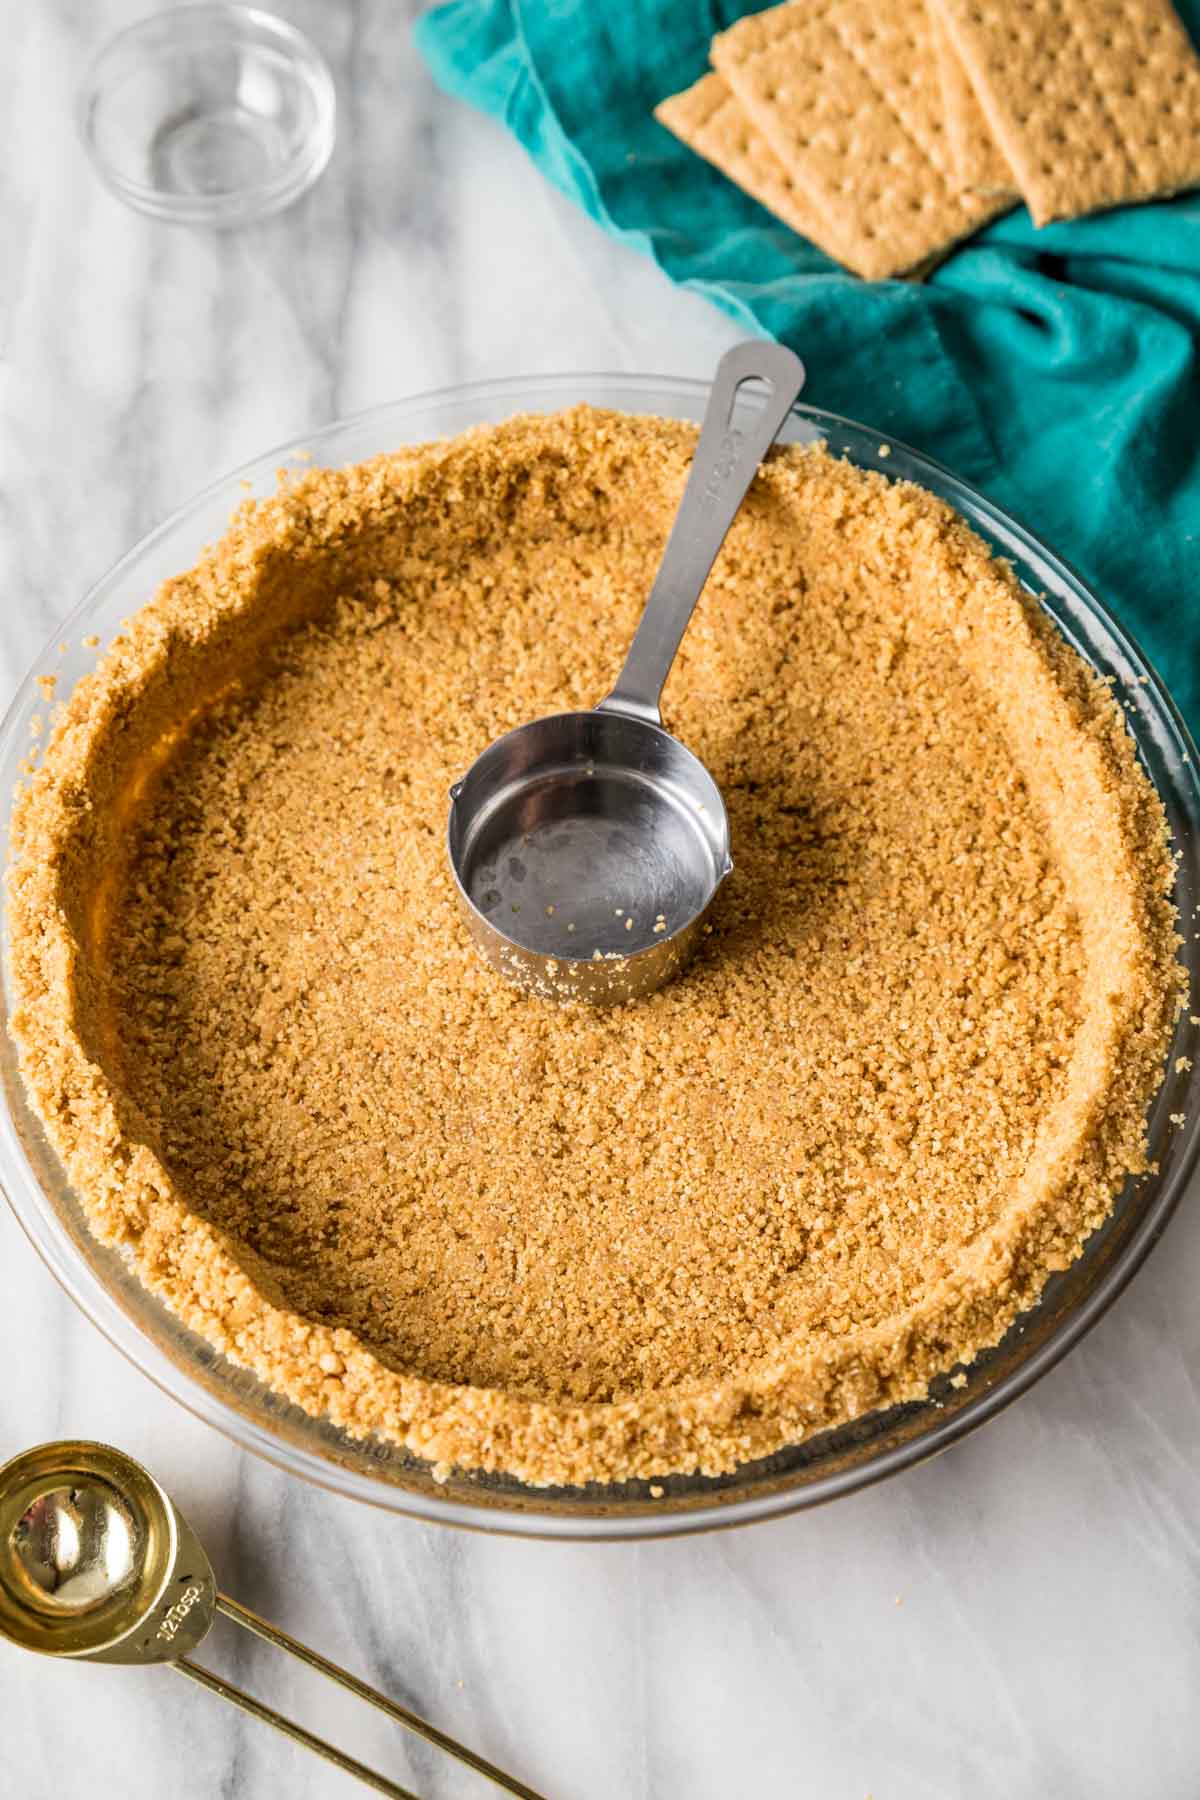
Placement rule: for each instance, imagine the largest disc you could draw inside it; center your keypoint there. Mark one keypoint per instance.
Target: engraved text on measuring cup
(175, 1615)
(727, 462)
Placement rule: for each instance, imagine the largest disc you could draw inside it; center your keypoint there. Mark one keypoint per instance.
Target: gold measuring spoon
(97, 1563)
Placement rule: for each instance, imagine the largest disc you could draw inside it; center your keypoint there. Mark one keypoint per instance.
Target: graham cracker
(978, 159)
(847, 94)
(708, 119)
(1093, 102)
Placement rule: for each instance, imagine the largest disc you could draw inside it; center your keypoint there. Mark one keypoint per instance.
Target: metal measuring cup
(586, 848)
(98, 1564)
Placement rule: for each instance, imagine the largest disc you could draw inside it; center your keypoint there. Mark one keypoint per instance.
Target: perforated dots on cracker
(979, 161)
(1094, 103)
(708, 119)
(849, 99)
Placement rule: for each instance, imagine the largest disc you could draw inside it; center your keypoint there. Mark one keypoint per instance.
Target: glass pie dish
(832, 1463)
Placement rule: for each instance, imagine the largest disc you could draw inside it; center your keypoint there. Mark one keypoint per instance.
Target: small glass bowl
(208, 115)
(823, 1467)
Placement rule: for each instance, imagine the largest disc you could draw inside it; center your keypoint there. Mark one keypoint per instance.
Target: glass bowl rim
(49, 1238)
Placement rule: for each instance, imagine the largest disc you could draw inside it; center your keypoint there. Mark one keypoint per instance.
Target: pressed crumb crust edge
(270, 575)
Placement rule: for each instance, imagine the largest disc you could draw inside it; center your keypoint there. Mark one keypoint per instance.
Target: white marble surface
(1018, 1619)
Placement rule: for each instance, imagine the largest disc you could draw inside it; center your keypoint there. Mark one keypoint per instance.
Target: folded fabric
(1057, 369)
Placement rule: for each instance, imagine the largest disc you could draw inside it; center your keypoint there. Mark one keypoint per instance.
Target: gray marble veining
(1017, 1619)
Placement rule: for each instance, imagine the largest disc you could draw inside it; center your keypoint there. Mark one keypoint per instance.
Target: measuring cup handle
(726, 461)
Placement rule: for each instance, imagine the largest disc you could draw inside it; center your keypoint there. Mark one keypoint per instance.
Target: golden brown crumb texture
(901, 1084)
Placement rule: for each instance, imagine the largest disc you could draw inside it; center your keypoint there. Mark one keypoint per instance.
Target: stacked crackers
(886, 130)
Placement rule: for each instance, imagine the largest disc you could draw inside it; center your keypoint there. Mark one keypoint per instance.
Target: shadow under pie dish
(654, 1247)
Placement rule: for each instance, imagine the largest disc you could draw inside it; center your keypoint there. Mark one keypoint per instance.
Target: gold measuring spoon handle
(242, 1615)
(257, 1710)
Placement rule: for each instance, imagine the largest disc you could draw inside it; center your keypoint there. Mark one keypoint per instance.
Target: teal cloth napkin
(1057, 370)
